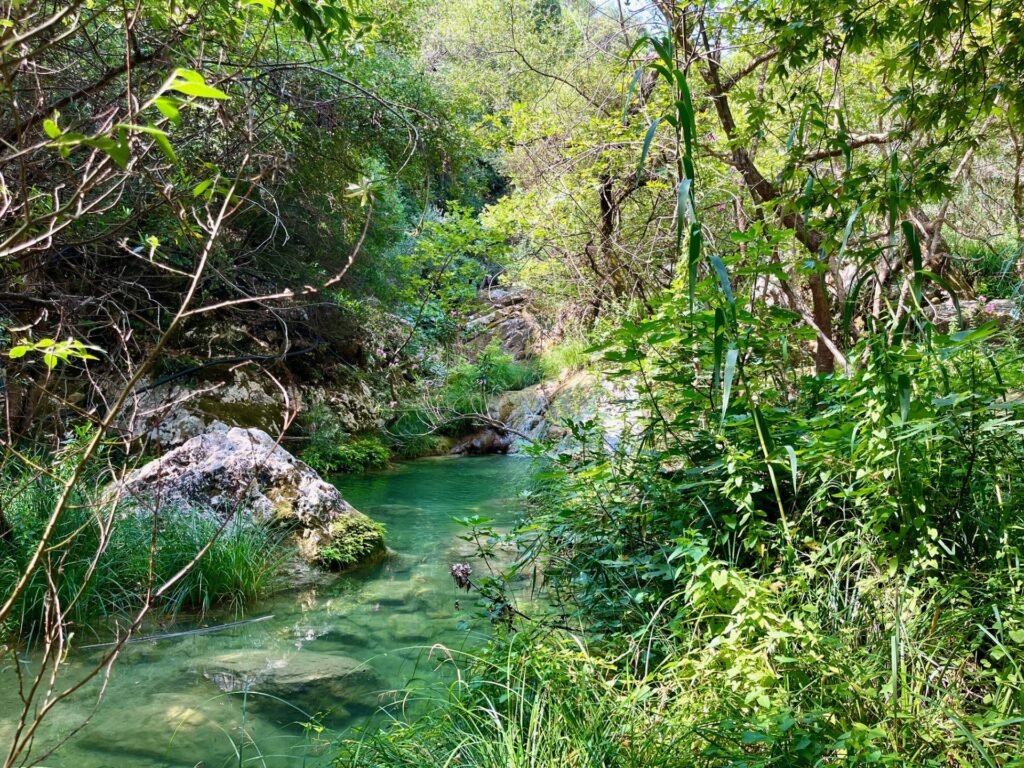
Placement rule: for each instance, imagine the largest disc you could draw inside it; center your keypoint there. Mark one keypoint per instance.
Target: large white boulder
(246, 475)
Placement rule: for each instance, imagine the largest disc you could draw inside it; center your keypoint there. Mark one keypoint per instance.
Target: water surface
(330, 654)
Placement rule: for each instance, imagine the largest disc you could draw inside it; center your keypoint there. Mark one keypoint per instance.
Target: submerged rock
(307, 681)
(245, 474)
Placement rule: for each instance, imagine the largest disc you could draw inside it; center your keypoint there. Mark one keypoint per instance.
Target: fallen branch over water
(184, 633)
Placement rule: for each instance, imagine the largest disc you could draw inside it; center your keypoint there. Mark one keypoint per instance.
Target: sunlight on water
(333, 650)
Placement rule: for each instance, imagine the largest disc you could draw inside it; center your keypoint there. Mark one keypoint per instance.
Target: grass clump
(568, 356)
(105, 565)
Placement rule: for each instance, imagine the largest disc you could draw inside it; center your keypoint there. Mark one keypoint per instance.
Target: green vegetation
(356, 539)
(330, 449)
(567, 356)
(791, 234)
(454, 405)
(108, 563)
(805, 548)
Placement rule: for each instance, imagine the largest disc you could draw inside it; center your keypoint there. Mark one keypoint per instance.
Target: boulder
(538, 412)
(244, 473)
(1005, 312)
(485, 441)
(167, 414)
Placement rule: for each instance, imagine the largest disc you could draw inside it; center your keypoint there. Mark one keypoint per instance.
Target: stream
(239, 696)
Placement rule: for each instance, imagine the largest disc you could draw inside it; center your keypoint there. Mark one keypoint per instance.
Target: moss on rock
(354, 539)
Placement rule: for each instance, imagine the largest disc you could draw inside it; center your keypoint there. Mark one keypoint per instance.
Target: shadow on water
(332, 651)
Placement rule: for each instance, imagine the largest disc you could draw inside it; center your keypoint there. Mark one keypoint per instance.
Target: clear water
(239, 696)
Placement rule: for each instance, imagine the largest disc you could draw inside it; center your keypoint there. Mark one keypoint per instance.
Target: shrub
(800, 570)
(355, 455)
(568, 356)
(331, 449)
(448, 408)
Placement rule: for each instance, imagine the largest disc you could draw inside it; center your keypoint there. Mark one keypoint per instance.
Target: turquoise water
(334, 651)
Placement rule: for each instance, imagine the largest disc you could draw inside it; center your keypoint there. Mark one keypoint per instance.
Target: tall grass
(760, 686)
(241, 564)
(769, 570)
(568, 356)
(532, 703)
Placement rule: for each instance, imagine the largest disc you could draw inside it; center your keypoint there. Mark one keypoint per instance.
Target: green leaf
(848, 230)
(192, 84)
(684, 108)
(731, 357)
(719, 344)
(159, 136)
(629, 94)
(682, 205)
(51, 128)
(201, 187)
(647, 146)
(903, 384)
(850, 305)
(792, 464)
(915, 254)
(948, 287)
(763, 434)
(693, 259)
(169, 109)
(723, 278)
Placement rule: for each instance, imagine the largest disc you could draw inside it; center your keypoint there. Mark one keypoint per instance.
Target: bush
(448, 408)
(356, 455)
(331, 449)
(568, 356)
(799, 570)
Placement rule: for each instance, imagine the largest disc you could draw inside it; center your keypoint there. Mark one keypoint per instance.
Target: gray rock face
(1005, 312)
(537, 413)
(166, 415)
(510, 319)
(229, 471)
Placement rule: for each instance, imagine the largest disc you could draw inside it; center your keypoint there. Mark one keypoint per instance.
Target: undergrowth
(331, 449)
(771, 568)
(451, 405)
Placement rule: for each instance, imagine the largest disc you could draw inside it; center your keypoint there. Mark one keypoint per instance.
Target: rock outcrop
(539, 413)
(1005, 312)
(509, 318)
(167, 414)
(246, 475)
